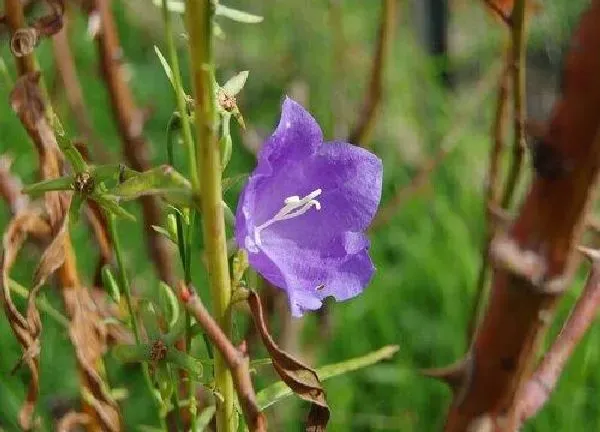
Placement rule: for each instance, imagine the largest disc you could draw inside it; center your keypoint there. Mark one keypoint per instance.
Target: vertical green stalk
(185, 245)
(180, 94)
(199, 14)
(124, 285)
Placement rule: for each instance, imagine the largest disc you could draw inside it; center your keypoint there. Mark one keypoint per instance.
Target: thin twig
(65, 66)
(448, 144)
(492, 194)
(130, 121)
(537, 390)
(366, 121)
(237, 360)
(518, 39)
(498, 11)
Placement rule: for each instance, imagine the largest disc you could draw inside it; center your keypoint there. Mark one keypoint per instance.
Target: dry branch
(534, 260)
(130, 122)
(237, 361)
(537, 390)
(368, 113)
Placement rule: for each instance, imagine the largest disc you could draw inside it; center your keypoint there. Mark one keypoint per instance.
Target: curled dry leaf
(24, 40)
(10, 187)
(71, 421)
(28, 103)
(88, 335)
(25, 223)
(300, 378)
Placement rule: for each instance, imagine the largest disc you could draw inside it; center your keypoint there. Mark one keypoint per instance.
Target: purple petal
(308, 276)
(297, 136)
(350, 179)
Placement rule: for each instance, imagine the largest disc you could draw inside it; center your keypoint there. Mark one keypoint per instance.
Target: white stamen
(294, 206)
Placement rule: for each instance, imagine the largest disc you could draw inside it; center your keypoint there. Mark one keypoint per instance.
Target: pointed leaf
(165, 65)
(237, 15)
(205, 417)
(132, 353)
(184, 361)
(171, 299)
(300, 378)
(55, 184)
(110, 284)
(109, 204)
(236, 83)
(165, 233)
(162, 180)
(279, 390)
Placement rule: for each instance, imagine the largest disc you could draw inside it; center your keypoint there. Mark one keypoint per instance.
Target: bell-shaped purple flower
(303, 213)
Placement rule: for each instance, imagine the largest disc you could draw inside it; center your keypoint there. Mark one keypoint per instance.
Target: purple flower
(302, 214)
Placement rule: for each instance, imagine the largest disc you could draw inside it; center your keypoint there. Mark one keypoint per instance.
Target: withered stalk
(368, 114)
(534, 260)
(237, 360)
(130, 122)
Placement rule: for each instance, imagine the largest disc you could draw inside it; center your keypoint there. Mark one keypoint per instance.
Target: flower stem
(199, 14)
(180, 94)
(184, 245)
(124, 285)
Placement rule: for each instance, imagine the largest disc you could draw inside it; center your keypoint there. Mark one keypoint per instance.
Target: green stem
(184, 246)
(199, 14)
(124, 285)
(180, 95)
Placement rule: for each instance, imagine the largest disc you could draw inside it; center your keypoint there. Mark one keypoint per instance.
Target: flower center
(293, 206)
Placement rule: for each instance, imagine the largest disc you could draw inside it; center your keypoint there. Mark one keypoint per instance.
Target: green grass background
(428, 257)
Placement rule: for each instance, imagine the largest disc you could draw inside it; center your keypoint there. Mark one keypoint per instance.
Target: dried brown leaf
(300, 378)
(28, 103)
(71, 420)
(10, 187)
(88, 336)
(29, 221)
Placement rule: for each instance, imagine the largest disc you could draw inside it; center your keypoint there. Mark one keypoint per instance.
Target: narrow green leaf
(162, 180)
(110, 284)
(184, 361)
(226, 148)
(149, 319)
(165, 233)
(132, 353)
(237, 15)
(169, 295)
(120, 172)
(165, 65)
(236, 83)
(279, 390)
(66, 145)
(109, 203)
(60, 183)
(204, 418)
(75, 208)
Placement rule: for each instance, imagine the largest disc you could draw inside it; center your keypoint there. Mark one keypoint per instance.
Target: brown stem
(518, 40)
(65, 65)
(368, 114)
(130, 121)
(491, 195)
(448, 144)
(50, 167)
(236, 359)
(534, 260)
(538, 388)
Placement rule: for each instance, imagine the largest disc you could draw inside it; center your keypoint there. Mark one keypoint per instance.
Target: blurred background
(440, 86)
